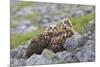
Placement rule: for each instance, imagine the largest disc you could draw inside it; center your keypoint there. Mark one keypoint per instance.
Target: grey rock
(24, 26)
(63, 55)
(73, 42)
(47, 57)
(77, 13)
(17, 62)
(87, 53)
(32, 60)
(39, 59)
(66, 57)
(18, 52)
(24, 11)
(48, 54)
(90, 31)
(13, 53)
(90, 27)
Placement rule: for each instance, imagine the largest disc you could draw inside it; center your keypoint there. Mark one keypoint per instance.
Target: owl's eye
(50, 27)
(55, 28)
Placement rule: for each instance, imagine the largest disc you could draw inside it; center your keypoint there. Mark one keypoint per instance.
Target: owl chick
(67, 23)
(41, 41)
(67, 28)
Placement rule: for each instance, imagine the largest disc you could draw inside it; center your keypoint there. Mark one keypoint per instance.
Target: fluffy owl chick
(67, 28)
(67, 24)
(51, 28)
(41, 41)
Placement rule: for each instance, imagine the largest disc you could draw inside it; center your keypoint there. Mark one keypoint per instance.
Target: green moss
(80, 22)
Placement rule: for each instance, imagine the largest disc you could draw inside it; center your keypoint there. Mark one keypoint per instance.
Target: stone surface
(72, 43)
(87, 53)
(48, 54)
(39, 59)
(17, 62)
(18, 53)
(24, 26)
